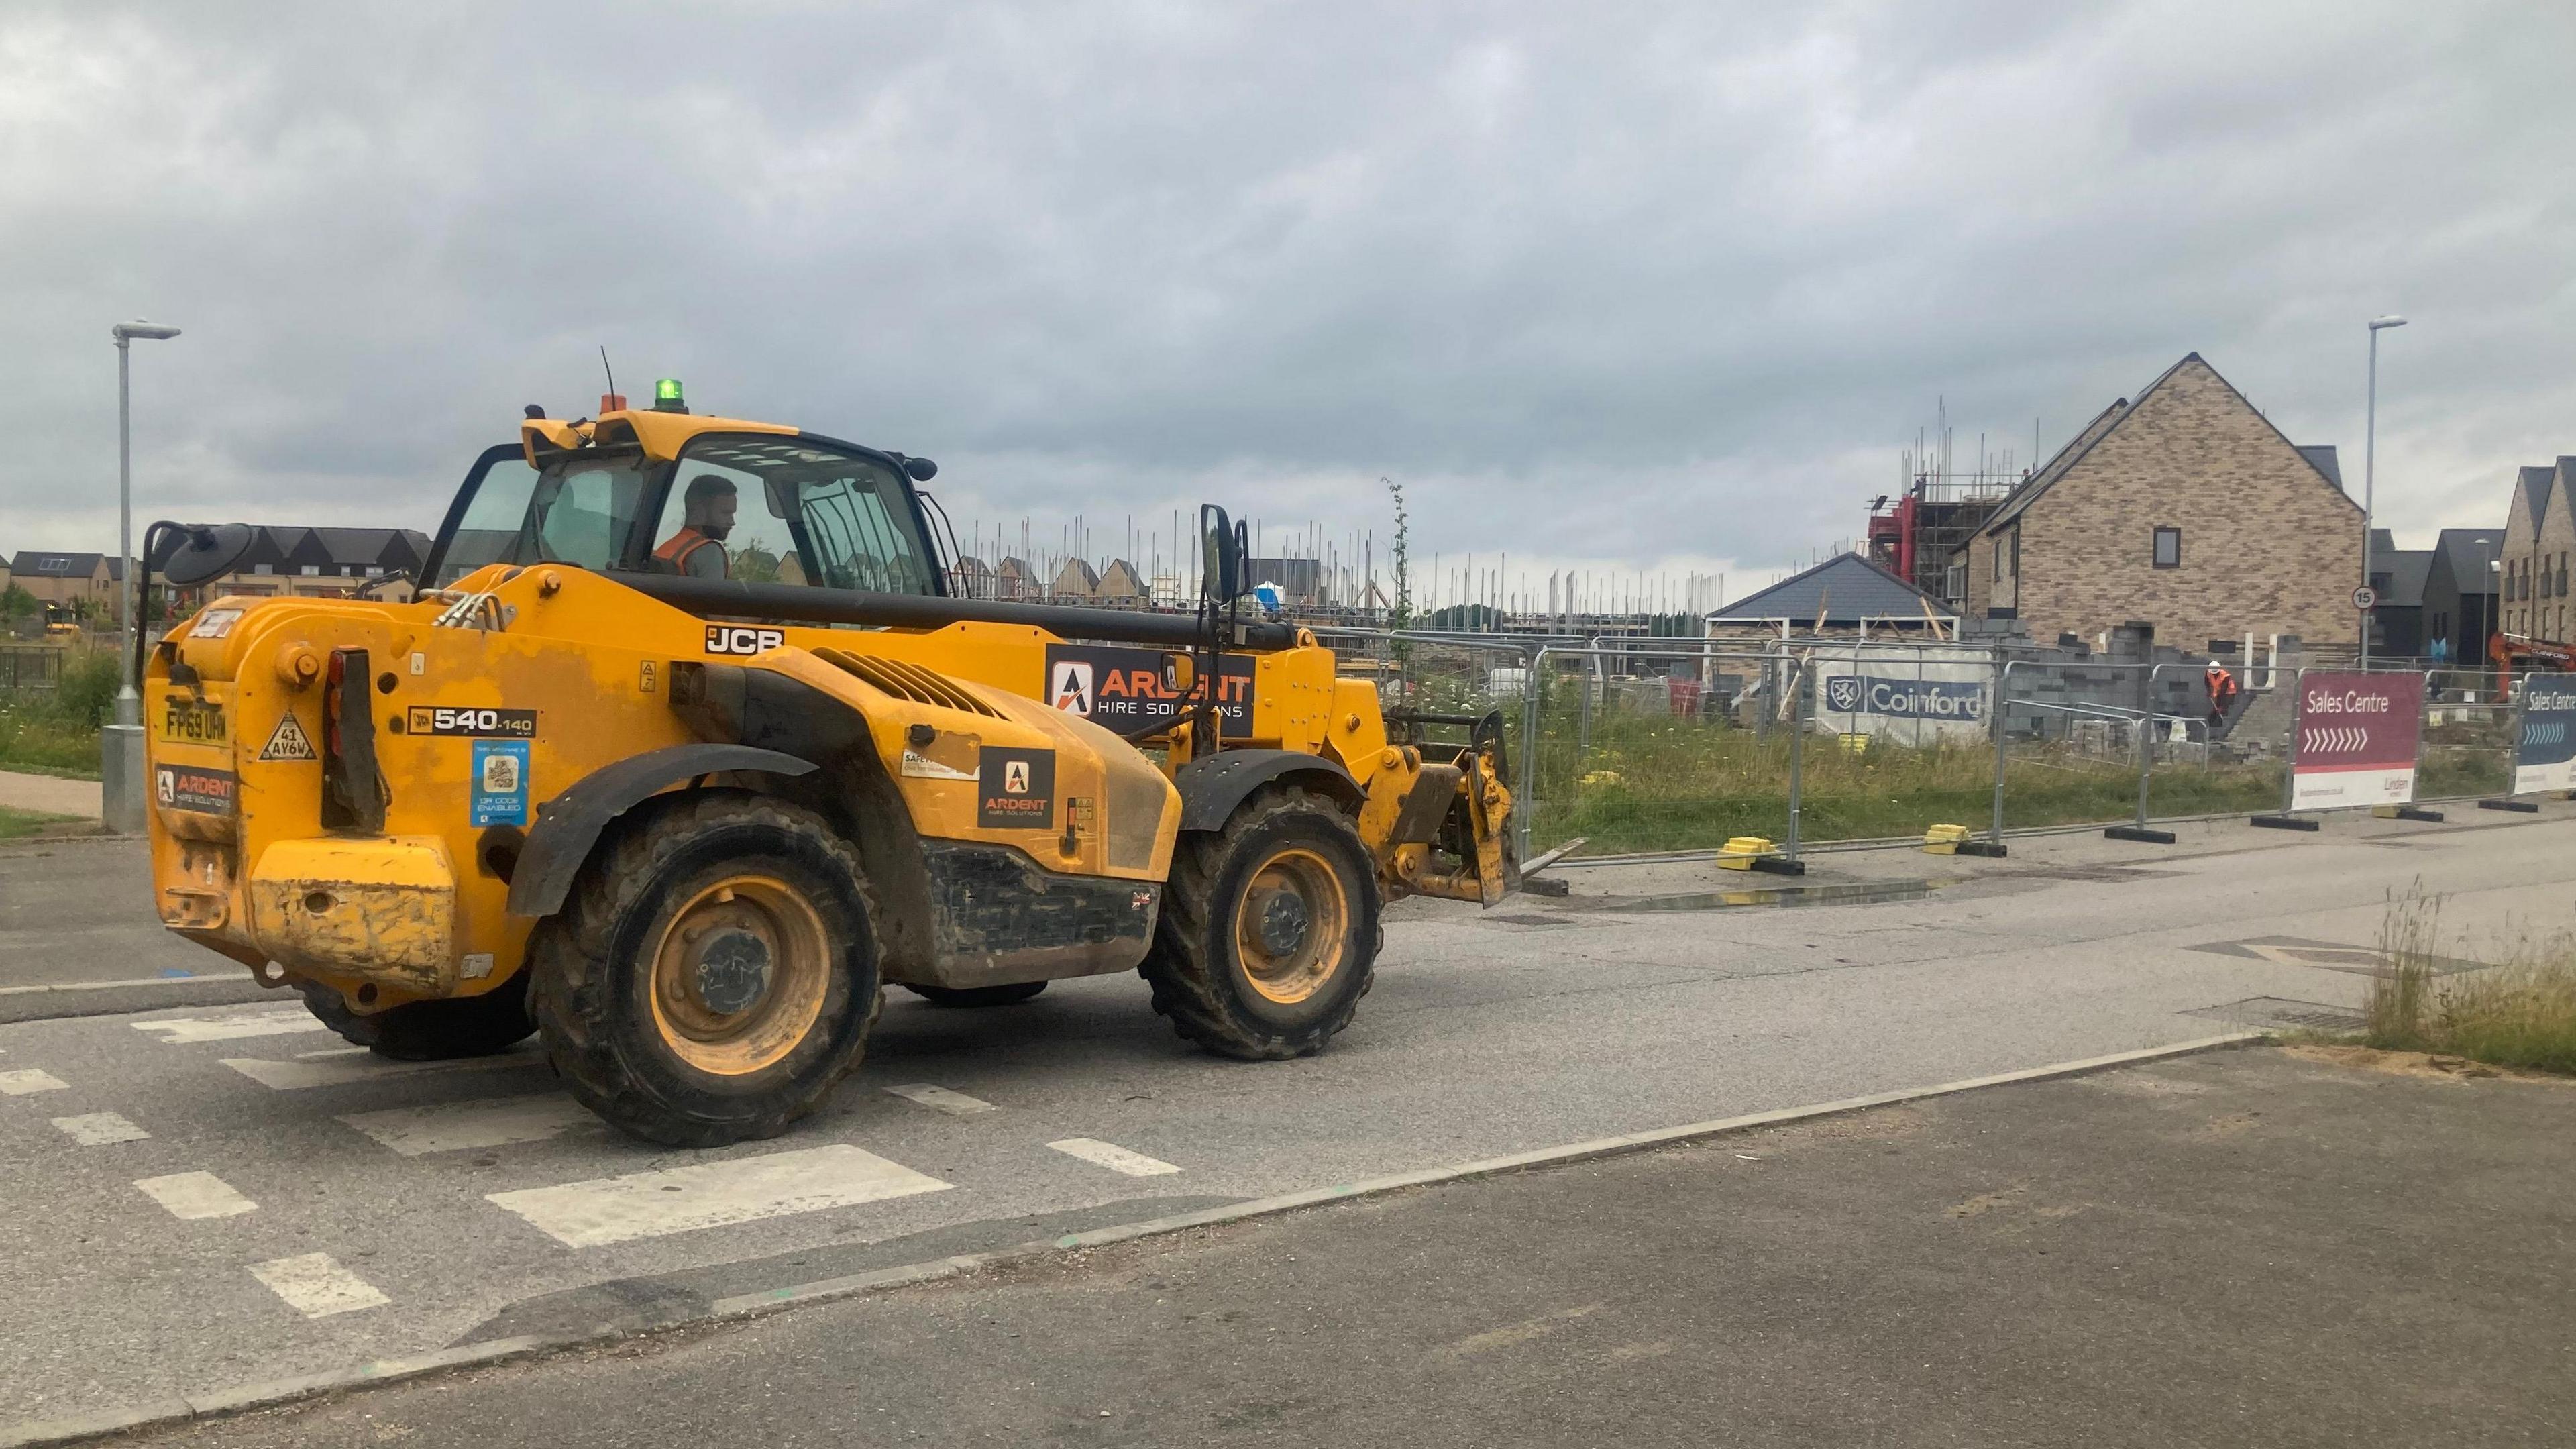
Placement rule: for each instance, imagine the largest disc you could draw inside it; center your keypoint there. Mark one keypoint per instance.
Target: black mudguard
(569, 824)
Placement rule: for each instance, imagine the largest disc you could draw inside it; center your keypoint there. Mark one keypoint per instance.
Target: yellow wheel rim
(740, 975)
(1292, 926)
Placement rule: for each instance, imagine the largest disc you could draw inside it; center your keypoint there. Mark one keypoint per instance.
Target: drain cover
(2280, 1011)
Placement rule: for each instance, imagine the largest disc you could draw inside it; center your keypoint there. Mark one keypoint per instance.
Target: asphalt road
(78, 936)
(199, 1198)
(2239, 1248)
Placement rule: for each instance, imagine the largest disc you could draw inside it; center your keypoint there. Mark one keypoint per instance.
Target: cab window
(571, 512)
(761, 509)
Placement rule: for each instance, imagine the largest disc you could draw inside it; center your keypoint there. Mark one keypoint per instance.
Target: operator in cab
(697, 548)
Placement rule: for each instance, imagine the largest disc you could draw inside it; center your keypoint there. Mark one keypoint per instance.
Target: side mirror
(1223, 543)
(396, 588)
(207, 552)
(920, 470)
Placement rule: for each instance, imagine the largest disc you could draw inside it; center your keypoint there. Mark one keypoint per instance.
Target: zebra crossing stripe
(183, 1030)
(712, 1194)
(100, 1129)
(335, 1071)
(457, 1126)
(940, 1099)
(1113, 1157)
(315, 1285)
(195, 1195)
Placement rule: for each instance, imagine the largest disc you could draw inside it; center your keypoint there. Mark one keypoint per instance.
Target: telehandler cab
(685, 747)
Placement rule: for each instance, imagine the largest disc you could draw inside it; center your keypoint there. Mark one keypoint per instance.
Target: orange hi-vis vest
(676, 549)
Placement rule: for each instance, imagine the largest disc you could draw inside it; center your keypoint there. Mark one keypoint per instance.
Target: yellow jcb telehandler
(684, 747)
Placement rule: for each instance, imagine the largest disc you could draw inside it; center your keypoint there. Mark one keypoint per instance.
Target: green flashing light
(666, 396)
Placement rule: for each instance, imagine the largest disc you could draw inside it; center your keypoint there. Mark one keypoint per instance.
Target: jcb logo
(742, 639)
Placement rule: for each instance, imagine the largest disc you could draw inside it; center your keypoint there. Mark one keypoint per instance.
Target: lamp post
(2370, 467)
(121, 744)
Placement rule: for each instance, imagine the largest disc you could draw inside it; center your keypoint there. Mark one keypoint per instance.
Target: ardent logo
(1072, 691)
(1015, 777)
(742, 639)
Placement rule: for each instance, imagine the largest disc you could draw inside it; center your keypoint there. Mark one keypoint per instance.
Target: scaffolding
(1919, 533)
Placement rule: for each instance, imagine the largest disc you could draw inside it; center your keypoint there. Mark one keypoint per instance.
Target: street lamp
(121, 744)
(2370, 467)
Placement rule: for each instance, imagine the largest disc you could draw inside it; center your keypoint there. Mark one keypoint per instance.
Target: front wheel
(714, 972)
(1268, 936)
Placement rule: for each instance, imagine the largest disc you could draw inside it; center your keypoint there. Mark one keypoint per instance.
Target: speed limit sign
(2365, 598)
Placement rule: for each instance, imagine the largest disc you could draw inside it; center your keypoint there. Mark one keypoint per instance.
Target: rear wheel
(1011, 995)
(429, 1031)
(714, 972)
(1269, 930)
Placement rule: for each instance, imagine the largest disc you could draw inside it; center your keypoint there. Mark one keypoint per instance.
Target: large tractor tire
(1269, 930)
(714, 972)
(1011, 995)
(429, 1031)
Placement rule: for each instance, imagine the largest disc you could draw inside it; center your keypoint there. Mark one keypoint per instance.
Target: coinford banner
(2358, 738)
(1911, 696)
(2545, 758)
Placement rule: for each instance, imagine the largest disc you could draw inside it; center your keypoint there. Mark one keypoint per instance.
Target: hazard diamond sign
(2358, 736)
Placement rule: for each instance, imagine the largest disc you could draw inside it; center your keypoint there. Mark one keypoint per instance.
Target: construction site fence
(1638, 746)
(30, 666)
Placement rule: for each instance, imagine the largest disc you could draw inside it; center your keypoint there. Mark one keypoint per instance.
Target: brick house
(2184, 508)
(2539, 534)
(65, 579)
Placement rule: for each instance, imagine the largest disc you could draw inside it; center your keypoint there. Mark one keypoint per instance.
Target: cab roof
(661, 434)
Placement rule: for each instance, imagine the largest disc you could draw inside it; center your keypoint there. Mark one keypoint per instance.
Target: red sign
(2358, 736)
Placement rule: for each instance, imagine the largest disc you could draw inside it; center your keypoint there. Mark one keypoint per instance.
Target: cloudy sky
(1643, 287)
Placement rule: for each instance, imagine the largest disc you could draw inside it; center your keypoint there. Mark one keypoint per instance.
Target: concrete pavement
(50, 795)
(333, 1209)
(2244, 1247)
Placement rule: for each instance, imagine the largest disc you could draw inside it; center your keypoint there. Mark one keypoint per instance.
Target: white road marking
(181, 1030)
(100, 1129)
(712, 1194)
(326, 1053)
(104, 985)
(940, 1099)
(195, 1195)
(1113, 1157)
(316, 1286)
(29, 1079)
(295, 1076)
(456, 1126)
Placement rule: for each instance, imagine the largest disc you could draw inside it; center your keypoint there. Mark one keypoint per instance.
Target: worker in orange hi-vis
(2222, 693)
(697, 549)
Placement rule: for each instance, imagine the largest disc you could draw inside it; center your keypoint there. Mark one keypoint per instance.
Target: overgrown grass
(1632, 782)
(2521, 1013)
(55, 731)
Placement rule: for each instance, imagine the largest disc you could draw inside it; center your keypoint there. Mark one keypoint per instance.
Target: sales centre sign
(2545, 757)
(2358, 736)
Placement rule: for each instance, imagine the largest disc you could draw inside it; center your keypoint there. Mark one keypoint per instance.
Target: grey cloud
(1601, 282)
